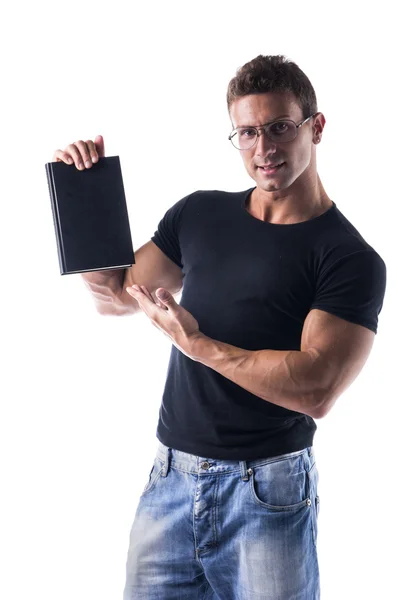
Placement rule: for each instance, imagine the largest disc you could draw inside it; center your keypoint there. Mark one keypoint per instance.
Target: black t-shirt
(251, 284)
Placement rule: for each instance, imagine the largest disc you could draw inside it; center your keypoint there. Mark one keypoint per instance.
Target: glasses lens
(282, 131)
(244, 138)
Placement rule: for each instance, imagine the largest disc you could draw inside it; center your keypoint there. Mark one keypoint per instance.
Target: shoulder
(340, 243)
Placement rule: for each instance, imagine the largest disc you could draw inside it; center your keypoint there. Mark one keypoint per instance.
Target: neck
(300, 202)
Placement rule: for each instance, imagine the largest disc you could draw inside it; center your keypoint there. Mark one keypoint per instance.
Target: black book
(90, 216)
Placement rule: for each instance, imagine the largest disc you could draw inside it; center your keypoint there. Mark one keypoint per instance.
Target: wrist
(193, 345)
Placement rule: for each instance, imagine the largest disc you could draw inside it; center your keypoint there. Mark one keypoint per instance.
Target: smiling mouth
(271, 168)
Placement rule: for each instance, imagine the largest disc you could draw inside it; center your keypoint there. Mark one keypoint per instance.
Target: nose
(263, 143)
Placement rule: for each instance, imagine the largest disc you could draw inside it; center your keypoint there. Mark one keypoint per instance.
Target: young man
(277, 317)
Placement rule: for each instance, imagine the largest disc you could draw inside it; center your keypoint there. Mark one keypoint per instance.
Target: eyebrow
(267, 123)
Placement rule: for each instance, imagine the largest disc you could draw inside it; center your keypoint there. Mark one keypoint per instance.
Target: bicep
(153, 269)
(341, 349)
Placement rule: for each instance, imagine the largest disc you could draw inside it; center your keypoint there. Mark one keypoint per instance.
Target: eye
(247, 133)
(279, 127)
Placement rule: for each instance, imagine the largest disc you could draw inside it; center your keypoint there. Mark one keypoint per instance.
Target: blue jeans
(214, 529)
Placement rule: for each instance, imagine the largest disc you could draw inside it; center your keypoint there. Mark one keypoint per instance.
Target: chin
(272, 186)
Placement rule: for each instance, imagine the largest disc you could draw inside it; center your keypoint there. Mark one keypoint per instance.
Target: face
(297, 156)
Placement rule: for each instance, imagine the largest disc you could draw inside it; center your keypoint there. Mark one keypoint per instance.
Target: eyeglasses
(244, 138)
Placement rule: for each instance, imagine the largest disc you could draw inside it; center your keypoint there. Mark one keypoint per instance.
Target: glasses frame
(265, 129)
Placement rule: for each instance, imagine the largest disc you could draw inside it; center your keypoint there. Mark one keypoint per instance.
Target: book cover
(90, 216)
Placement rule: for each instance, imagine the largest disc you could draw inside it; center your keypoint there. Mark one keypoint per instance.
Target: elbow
(322, 404)
(104, 309)
(110, 309)
(318, 412)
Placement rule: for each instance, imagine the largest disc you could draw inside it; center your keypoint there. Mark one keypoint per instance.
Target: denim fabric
(214, 529)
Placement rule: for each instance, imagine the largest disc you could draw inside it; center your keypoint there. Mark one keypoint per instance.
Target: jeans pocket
(281, 485)
(153, 476)
(313, 477)
(315, 520)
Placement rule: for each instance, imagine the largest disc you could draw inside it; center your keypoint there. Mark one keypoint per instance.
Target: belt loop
(243, 470)
(166, 459)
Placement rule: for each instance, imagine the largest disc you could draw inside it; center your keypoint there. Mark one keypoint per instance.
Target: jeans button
(205, 465)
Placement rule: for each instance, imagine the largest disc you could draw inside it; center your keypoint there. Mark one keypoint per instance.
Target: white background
(80, 393)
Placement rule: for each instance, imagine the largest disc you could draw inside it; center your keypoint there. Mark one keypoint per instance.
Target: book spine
(56, 218)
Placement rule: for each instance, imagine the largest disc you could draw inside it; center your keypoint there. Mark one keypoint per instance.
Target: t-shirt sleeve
(353, 288)
(166, 237)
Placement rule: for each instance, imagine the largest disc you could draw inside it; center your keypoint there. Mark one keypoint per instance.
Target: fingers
(94, 157)
(99, 143)
(85, 154)
(62, 156)
(150, 297)
(154, 300)
(146, 292)
(81, 154)
(71, 155)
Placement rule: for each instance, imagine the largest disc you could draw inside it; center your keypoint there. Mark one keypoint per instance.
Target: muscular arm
(333, 352)
(152, 269)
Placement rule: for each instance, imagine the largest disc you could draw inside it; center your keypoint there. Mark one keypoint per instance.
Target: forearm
(290, 379)
(108, 291)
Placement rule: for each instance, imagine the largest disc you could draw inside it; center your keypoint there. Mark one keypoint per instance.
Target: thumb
(99, 144)
(165, 296)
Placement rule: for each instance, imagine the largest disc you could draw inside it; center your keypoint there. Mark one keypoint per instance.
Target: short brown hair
(273, 74)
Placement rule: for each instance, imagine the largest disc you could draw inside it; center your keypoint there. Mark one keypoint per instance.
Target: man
(278, 314)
